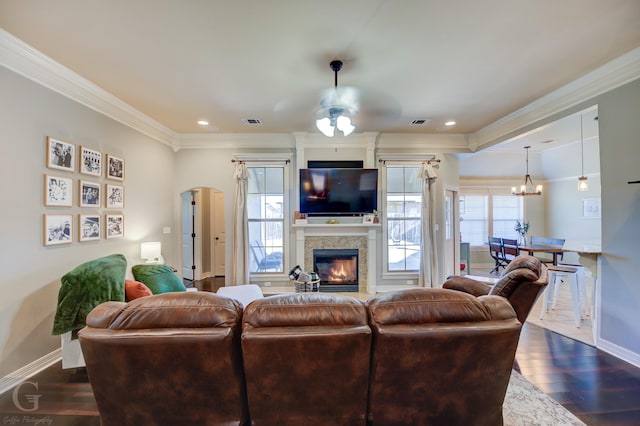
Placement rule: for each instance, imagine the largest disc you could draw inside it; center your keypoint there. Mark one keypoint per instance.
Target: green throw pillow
(85, 287)
(159, 278)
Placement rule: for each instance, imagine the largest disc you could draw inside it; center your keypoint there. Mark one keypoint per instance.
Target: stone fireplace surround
(348, 235)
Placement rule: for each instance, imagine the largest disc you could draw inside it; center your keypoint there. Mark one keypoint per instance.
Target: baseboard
(11, 380)
(619, 352)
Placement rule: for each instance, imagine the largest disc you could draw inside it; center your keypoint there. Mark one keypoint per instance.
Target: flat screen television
(329, 192)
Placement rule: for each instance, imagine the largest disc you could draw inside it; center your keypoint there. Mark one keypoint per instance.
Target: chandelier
(527, 187)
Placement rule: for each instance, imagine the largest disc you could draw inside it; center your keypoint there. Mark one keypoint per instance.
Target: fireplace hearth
(337, 269)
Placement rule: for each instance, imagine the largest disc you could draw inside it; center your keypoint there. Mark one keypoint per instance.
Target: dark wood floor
(597, 387)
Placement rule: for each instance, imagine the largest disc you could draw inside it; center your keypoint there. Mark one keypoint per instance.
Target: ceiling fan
(339, 110)
(337, 107)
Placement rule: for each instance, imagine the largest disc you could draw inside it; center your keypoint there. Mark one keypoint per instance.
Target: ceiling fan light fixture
(324, 125)
(344, 125)
(332, 119)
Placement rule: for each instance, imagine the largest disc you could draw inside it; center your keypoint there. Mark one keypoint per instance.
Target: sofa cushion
(135, 289)
(159, 278)
(85, 287)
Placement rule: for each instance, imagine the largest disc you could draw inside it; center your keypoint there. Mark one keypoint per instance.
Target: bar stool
(550, 298)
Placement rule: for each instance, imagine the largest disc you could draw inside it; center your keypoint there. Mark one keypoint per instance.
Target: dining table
(554, 250)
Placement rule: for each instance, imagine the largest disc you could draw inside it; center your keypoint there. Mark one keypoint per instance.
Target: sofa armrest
(467, 285)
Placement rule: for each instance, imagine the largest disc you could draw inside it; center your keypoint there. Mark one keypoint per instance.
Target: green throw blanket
(85, 287)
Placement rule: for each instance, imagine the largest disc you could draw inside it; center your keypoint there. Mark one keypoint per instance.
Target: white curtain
(240, 238)
(429, 253)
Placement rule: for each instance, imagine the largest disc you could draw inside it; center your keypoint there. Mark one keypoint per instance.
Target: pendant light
(582, 180)
(527, 188)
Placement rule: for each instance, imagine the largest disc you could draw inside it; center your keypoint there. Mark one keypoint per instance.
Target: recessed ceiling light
(450, 123)
(203, 122)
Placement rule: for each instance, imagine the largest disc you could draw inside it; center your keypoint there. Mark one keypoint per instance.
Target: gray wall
(30, 272)
(619, 111)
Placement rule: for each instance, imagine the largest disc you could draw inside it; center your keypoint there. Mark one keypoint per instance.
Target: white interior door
(218, 234)
(450, 246)
(188, 230)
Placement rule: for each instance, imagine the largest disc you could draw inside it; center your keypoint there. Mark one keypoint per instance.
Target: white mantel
(346, 228)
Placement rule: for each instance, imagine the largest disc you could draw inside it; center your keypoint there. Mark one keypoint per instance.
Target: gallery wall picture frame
(591, 208)
(89, 227)
(114, 225)
(89, 194)
(115, 168)
(58, 191)
(90, 161)
(57, 229)
(61, 155)
(114, 196)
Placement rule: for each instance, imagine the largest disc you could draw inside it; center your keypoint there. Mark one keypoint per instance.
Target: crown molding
(32, 64)
(23, 59)
(454, 142)
(616, 73)
(232, 141)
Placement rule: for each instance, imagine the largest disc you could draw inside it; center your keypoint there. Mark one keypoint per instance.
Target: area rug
(526, 405)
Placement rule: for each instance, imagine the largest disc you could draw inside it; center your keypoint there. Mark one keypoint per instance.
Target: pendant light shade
(582, 180)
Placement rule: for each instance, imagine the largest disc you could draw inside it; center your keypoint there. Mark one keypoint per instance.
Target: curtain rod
(433, 160)
(260, 161)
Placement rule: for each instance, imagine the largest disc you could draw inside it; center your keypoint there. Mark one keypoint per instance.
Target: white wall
(30, 276)
(619, 156)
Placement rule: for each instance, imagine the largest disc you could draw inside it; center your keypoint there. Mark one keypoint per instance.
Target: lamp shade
(151, 251)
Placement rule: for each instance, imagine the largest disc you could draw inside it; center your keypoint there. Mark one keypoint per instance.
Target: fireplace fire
(337, 269)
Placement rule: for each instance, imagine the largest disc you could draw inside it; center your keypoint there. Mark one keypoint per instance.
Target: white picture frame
(89, 227)
(61, 155)
(115, 168)
(114, 196)
(114, 226)
(368, 218)
(57, 229)
(90, 162)
(89, 194)
(591, 208)
(58, 191)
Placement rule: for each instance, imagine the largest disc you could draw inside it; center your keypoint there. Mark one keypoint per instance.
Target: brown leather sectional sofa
(422, 356)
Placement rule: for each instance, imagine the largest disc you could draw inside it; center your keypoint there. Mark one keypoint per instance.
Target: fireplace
(337, 269)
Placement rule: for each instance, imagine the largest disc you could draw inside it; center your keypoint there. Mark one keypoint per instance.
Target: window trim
(489, 192)
(385, 272)
(286, 224)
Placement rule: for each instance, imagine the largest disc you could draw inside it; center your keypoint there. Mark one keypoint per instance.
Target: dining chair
(497, 253)
(510, 249)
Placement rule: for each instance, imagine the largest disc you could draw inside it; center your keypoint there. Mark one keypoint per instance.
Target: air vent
(252, 121)
(420, 121)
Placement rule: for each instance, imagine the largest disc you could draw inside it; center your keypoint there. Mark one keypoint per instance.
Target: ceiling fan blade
(344, 96)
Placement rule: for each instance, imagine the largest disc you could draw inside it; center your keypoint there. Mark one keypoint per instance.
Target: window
(265, 208)
(489, 214)
(403, 212)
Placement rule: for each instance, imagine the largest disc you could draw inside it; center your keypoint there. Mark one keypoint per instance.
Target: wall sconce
(151, 251)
